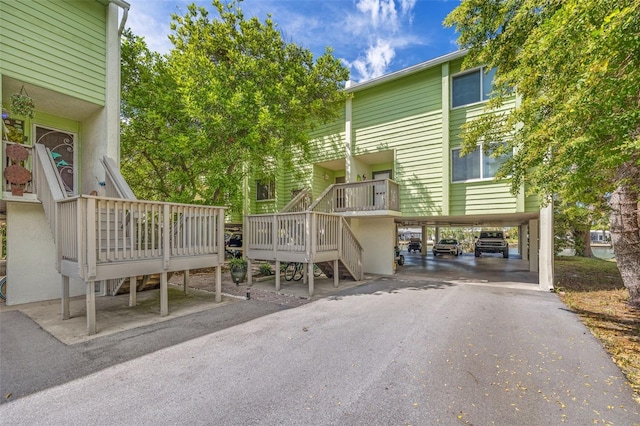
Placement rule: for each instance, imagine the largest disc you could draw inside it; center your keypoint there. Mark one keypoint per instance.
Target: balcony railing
(307, 237)
(103, 238)
(368, 196)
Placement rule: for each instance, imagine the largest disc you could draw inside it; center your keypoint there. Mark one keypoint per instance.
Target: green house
(393, 160)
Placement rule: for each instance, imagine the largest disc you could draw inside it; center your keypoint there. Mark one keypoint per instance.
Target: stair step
(146, 282)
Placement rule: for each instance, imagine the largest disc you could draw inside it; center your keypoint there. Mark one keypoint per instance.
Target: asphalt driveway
(402, 350)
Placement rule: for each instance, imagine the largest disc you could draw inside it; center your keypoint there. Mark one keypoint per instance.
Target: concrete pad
(113, 313)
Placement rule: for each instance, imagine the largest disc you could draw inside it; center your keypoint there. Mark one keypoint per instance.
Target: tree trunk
(625, 238)
(582, 242)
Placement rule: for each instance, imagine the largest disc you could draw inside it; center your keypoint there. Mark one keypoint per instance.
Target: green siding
(405, 115)
(328, 140)
(55, 44)
(485, 197)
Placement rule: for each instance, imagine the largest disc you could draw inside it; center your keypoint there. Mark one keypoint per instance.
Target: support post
(218, 284)
(164, 295)
(425, 237)
(65, 298)
(133, 291)
(546, 248)
(336, 271)
(249, 274)
(533, 245)
(277, 275)
(91, 308)
(310, 276)
(185, 281)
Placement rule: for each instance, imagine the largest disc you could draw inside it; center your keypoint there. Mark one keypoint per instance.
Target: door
(340, 197)
(62, 146)
(380, 189)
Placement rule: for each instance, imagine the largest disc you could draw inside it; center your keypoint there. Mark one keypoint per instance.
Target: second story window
(475, 165)
(471, 87)
(266, 190)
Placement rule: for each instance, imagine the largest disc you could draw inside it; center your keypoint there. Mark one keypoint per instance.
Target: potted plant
(238, 269)
(22, 104)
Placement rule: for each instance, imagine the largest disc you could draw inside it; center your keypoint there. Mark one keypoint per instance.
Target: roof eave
(406, 71)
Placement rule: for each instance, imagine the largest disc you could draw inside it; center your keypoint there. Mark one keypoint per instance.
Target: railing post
(340, 231)
(220, 233)
(274, 236)
(314, 235)
(90, 244)
(58, 234)
(166, 237)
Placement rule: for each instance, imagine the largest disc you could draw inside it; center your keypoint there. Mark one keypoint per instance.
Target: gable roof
(355, 87)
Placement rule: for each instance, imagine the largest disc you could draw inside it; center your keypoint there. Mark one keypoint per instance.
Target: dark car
(235, 240)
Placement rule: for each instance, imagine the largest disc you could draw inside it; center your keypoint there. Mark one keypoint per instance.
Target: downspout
(125, 12)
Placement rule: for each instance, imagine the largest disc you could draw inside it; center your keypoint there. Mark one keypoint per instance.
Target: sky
(371, 37)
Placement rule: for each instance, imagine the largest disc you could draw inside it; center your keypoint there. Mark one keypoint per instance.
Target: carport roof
(496, 220)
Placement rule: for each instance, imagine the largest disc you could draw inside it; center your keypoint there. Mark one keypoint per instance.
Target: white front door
(380, 188)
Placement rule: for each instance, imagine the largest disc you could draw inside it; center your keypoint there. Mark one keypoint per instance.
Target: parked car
(447, 246)
(415, 244)
(492, 242)
(235, 240)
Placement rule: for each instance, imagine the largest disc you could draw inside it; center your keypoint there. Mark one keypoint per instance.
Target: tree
(575, 65)
(232, 99)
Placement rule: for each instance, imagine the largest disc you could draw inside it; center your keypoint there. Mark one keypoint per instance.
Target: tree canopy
(575, 66)
(231, 99)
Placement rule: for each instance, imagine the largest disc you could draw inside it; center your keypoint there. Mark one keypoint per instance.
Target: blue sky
(371, 37)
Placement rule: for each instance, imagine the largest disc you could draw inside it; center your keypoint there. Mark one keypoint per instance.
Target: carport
(535, 246)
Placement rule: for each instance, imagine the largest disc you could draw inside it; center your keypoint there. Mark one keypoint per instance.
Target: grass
(593, 289)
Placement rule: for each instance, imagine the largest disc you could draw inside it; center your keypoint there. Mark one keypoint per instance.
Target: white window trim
(481, 101)
(480, 179)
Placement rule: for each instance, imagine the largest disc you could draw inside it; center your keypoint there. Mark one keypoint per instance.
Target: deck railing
(374, 195)
(96, 231)
(299, 203)
(305, 236)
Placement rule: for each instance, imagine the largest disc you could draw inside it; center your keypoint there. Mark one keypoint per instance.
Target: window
(471, 87)
(265, 190)
(475, 165)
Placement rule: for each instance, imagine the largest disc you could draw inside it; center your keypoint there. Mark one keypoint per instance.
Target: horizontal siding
(327, 141)
(481, 198)
(406, 116)
(532, 203)
(59, 45)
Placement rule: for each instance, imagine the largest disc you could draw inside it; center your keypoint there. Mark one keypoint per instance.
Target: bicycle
(295, 271)
(3, 288)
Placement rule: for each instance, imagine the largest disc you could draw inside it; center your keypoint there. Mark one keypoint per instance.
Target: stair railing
(48, 183)
(299, 203)
(115, 184)
(350, 250)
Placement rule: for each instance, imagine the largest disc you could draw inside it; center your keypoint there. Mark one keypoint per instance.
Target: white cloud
(376, 61)
(382, 23)
(381, 12)
(151, 18)
(367, 33)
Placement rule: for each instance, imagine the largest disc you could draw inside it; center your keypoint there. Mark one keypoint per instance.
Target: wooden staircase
(343, 271)
(145, 282)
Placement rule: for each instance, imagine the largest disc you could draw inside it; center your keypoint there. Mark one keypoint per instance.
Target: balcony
(368, 198)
